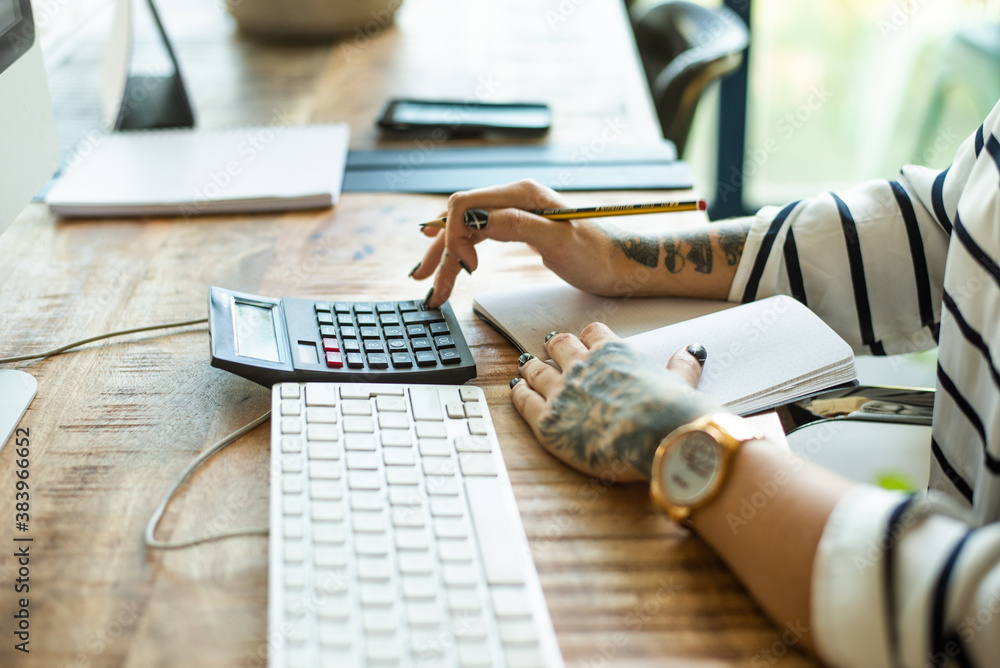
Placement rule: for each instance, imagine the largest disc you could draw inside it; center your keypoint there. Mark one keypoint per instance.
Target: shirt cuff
(751, 247)
(848, 595)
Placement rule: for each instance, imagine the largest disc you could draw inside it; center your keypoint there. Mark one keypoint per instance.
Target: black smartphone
(457, 118)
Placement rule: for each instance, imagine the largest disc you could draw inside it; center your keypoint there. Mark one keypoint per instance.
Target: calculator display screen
(255, 333)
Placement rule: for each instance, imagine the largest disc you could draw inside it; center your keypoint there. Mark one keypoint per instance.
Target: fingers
(542, 377)
(529, 403)
(688, 363)
(431, 260)
(597, 334)
(444, 280)
(565, 349)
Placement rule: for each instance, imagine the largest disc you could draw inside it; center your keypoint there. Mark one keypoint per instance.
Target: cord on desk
(154, 521)
(59, 351)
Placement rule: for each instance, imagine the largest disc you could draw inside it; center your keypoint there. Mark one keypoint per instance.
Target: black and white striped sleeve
(869, 260)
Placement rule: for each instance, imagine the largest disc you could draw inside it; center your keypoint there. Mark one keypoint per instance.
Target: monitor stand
(17, 389)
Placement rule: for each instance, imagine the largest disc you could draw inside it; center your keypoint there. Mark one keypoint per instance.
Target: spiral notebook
(760, 355)
(198, 172)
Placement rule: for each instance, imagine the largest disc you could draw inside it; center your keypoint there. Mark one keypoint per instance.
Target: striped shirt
(900, 266)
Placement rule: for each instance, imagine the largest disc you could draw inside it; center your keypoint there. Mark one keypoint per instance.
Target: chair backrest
(684, 48)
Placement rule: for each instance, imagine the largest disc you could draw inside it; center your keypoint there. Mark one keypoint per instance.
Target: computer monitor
(28, 157)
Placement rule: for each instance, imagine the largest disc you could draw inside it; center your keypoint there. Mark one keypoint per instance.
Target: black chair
(684, 48)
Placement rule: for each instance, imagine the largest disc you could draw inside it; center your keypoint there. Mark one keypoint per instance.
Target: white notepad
(196, 172)
(760, 355)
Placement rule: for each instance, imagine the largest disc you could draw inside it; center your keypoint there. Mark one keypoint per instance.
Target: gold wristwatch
(692, 463)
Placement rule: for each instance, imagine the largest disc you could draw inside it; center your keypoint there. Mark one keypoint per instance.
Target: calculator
(271, 341)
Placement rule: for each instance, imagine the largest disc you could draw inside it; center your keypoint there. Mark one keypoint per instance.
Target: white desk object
(17, 389)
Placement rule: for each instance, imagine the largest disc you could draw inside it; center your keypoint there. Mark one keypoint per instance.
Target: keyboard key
(327, 511)
(369, 522)
(291, 408)
(341, 307)
(351, 346)
(364, 480)
(366, 320)
(408, 516)
(329, 557)
(292, 484)
(400, 475)
(363, 307)
(474, 409)
(373, 346)
(426, 404)
(416, 330)
(370, 333)
(292, 464)
(406, 306)
(421, 344)
(324, 470)
(324, 414)
(392, 438)
(291, 426)
(348, 333)
(393, 421)
(293, 505)
(423, 614)
(514, 632)
(358, 424)
(335, 634)
(364, 461)
(492, 522)
(417, 587)
(326, 489)
(295, 577)
(345, 319)
(450, 356)
(405, 496)
(477, 427)
(412, 539)
(415, 563)
(469, 393)
(320, 394)
(440, 328)
(435, 447)
(398, 457)
(371, 544)
(291, 444)
(322, 432)
(464, 600)
(378, 361)
(473, 444)
(334, 607)
(326, 533)
(431, 430)
(359, 442)
(385, 307)
(377, 593)
(328, 331)
(444, 342)
(355, 360)
(356, 391)
(524, 657)
(324, 451)
(477, 463)
(374, 568)
(454, 550)
(450, 528)
(442, 486)
(389, 319)
(474, 655)
(510, 602)
(390, 404)
(289, 390)
(394, 333)
(402, 360)
(455, 410)
(324, 318)
(379, 622)
(439, 466)
(444, 506)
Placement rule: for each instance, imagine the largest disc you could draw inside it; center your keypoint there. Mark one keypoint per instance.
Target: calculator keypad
(383, 335)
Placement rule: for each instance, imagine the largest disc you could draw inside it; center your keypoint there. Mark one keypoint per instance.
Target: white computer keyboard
(395, 539)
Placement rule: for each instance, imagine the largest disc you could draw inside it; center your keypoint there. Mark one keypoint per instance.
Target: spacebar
(496, 532)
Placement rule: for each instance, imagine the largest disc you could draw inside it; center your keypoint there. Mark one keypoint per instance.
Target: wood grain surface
(114, 423)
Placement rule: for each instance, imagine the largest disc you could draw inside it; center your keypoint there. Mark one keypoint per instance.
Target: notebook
(760, 355)
(195, 172)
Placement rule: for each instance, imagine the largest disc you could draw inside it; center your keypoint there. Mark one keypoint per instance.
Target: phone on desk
(454, 117)
(270, 340)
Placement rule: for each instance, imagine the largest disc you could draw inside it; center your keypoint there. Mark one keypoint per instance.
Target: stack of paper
(195, 172)
(760, 355)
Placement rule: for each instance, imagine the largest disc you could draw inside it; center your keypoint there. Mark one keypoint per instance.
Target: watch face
(691, 467)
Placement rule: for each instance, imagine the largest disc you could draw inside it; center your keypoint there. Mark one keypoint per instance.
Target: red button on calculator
(331, 345)
(334, 360)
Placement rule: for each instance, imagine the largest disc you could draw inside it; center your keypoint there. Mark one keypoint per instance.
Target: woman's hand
(577, 251)
(609, 407)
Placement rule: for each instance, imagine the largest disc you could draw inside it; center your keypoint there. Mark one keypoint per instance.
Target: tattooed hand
(609, 407)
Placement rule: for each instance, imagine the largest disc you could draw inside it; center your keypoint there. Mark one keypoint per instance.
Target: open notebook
(760, 355)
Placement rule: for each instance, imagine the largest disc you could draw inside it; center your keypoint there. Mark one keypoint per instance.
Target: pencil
(479, 216)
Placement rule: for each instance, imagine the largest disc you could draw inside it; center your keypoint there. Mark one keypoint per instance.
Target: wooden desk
(115, 423)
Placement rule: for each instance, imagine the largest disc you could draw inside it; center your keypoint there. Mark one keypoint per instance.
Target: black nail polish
(414, 270)
(461, 263)
(430, 293)
(477, 219)
(698, 352)
(514, 381)
(549, 336)
(523, 359)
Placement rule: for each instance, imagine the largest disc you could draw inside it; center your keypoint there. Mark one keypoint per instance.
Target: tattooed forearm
(732, 241)
(618, 399)
(700, 254)
(673, 260)
(644, 250)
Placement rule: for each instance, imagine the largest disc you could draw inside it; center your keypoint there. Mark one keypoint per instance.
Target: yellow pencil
(477, 218)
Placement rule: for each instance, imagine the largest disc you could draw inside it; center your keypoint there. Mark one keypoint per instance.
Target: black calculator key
(322, 307)
(369, 332)
(422, 343)
(348, 333)
(444, 342)
(328, 331)
(440, 328)
(378, 361)
(331, 345)
(402, 360)
(416, 330)
(324, 318)
(345, 319)
(422, 317)
(426, 359)
(385, 307)
(341, 307)
(355, 360)
(351, 346)
(374, 346)
(409, 306)
(450, 356)
(397, 345)
(389, 319)
(363, 307)
(367, 319)
(393, 332)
